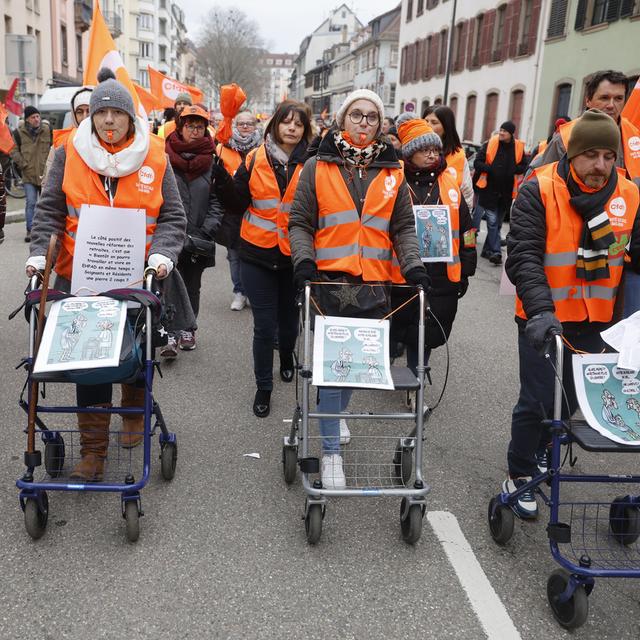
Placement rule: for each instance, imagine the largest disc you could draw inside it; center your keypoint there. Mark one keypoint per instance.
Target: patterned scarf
(597, 235)
(359, 157)
(244, 144)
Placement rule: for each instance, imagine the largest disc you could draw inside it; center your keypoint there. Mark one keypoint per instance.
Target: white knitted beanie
(360, 94)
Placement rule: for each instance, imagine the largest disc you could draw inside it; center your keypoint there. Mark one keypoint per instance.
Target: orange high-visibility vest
(139, 190)
(449, 195)
(352, 243)
(60, 136)
(266, 222)
(492, 150)
(231, 159)
(630, 144)
(576, 300)
(455, 165)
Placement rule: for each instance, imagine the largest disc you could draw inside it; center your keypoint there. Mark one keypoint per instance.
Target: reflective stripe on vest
(231, 159)
(492, 150)
(345, 241)
(455, 165)
(578, 300)
(265, 223)
(81, 186)
(451, 196)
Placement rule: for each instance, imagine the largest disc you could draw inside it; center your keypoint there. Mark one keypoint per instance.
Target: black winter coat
(202, 208)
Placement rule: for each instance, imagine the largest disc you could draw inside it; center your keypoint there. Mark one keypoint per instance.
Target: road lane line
(485, 601)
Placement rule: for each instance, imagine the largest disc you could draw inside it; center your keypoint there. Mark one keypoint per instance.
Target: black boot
(262, 403)
(286, 366)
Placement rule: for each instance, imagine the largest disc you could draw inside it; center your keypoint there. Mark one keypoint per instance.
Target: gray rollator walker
(376, 464)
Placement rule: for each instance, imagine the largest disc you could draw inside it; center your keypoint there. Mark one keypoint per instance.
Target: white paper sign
(351, 352)
(110, 248)
(433, 226)
(82, 333)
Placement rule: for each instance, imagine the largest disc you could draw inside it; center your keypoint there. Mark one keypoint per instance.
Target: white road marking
(485, 601)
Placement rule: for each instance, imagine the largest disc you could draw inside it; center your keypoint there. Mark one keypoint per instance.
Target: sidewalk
(15, 209)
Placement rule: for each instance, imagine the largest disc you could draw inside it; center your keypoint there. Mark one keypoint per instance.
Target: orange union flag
(631, 110)
(166, 89)
(104, 53)
(148, 100)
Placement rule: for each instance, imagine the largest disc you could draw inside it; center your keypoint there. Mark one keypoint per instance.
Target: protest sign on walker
(110, 248)
(433, 226)
(351, 352)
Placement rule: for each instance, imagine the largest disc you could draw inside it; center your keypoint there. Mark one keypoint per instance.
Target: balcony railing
(114, 22)
(83, 13)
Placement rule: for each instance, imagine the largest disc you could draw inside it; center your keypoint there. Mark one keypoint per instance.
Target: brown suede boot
(94, 441)
(132, 425)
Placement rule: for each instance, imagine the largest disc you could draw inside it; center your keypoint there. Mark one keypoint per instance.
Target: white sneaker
(239, 302)
(345, 434)
(333, 472)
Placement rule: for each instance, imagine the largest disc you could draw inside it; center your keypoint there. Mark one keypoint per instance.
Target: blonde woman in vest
(570, 224)
(244, 138)
(352, 210)
(443, 121)
(100, 165)
(430, 183)
(262, 191)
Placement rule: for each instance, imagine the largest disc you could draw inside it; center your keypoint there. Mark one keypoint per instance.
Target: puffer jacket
(202, 208)
(303, 219)
(30, 153)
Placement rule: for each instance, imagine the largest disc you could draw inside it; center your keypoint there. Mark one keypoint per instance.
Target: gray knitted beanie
(411, 144)
(111, 93)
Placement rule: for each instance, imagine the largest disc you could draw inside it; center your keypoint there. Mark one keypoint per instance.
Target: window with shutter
(471, 34)
(499, 34)
(561, 103)
(515, 110)
(403, 65)
(532, 36)
(433, 55)
(442, 56)
(515, 28)
(425, 58)
(557, 18)
(490, 115)
(469, 118)
(477, 42)
(599, 14)
(462, 45)
(523, 41)
(453, 105)
(489, 21)
(626, 8)
(419, 55)
(613, 10)
(409, 10)
(420, 8)
(581, 15)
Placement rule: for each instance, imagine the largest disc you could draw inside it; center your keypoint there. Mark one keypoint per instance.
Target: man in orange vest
(496, 166)
(570, 225)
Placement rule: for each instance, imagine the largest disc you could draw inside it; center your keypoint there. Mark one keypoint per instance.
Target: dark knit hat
(416, 134)
(509, 126)
(593, 130)
(29, 111)
(184, 97)
(111, 93)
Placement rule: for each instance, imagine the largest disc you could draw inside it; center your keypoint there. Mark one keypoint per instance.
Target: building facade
(70, 22)
(278, 67)
(606, 35)
(494, 68)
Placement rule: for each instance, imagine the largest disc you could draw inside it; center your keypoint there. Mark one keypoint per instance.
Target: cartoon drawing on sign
(342, 366)
(608, 405)
(426, 239)
(105, 338)
(442, 246)
(374, 374)
(634, 405)
(70, 336)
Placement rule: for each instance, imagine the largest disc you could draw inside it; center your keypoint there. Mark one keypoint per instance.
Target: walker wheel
(501, 521)
(36, 516)
(132, 519)
(289, 463)
(624, 520)
(168, 459)
(54, 453)
(313, 523)
(411, 526)
(572, 613)
(403, 464)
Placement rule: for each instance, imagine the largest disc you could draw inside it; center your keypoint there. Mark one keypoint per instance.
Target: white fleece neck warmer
(112, 165)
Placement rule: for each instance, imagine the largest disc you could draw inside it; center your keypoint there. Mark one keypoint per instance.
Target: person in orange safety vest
(570, 224)
(110, 160)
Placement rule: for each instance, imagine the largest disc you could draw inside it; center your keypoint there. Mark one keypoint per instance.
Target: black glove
(540, 330)
(303, 271)
(463, 285)
(219, 173)
(419, 275)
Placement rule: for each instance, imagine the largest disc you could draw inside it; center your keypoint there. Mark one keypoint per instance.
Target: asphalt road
(222, 552)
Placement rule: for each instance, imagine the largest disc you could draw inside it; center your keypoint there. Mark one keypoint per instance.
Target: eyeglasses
(245, 125)
(195, 127)
(356, 117)
(430, 152)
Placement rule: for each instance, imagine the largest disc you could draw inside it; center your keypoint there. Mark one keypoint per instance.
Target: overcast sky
(283, 23)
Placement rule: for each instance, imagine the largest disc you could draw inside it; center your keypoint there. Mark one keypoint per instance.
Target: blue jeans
(332, 400)
(233, 256)
(494, 220)
(273, 303)
(631, 292)
(535, 403)
(31, 192)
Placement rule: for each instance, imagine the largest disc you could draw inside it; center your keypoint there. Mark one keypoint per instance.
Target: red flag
(10, 102)
(6, 139)
(166, 89)
(631, 110)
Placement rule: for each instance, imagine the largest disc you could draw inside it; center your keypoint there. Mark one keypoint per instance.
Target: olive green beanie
(593, 130)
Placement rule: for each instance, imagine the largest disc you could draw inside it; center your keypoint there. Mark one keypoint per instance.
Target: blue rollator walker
(61, 445)
(377, 464)
(588, 539)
